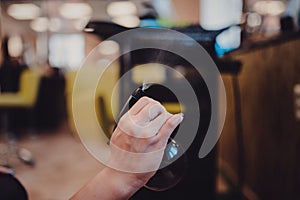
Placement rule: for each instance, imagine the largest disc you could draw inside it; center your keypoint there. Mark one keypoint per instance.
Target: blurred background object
(254, 43)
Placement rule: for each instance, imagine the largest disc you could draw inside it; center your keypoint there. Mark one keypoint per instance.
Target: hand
(144, 130)
(6, 170)
(142, 134)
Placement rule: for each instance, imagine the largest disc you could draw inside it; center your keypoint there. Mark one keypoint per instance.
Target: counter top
(258, 41)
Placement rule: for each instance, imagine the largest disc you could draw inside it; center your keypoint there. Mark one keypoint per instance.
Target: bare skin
(149, 119)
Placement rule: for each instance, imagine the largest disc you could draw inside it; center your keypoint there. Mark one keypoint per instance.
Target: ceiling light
(79, 24)
(108, 47)
(254, 20)
(55, 24)
(121, 8)
(75, 10)
(129, 21)
(15, 46)
(40, 24)
(24, 11)
(269, 7)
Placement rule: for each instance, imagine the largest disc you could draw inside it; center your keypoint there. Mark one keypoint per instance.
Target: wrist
(126, 184)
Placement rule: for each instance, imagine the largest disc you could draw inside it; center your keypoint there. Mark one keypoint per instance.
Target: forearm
(109, 184)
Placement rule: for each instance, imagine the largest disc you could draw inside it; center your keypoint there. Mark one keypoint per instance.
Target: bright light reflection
(269, 7)
(121, 8)
(66, 50)
(129, 21)
(89, 30)
(254, 20)
(40, 24)
(75, 10)
(24, 11)
(55, 24)
(108, 47)
(15, 46)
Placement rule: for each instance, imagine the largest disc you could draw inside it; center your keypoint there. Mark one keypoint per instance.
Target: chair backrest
(103, 94)
(70, 79)
(29, 87)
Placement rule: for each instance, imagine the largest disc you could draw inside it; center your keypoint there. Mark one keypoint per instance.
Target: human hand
(138, 143)
(6, 170)
(137, 147)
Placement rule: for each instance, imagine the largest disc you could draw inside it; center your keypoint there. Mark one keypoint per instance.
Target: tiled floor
(62, 166)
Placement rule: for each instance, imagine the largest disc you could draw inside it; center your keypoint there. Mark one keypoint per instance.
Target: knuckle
(155, 102)
(145, 99)
(123, 120)
(169, 124)
(125, 123)
(158, 106)
(147, 132)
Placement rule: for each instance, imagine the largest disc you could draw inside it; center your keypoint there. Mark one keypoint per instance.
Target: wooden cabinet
(270, 130)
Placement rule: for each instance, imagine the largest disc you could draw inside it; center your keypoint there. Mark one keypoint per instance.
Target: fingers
(138, 143)
(6, 170)
(169, 126)
(139, 105)
(155, 109)
(147, 118)
(150, 112)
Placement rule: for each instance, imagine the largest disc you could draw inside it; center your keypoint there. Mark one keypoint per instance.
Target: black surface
(199, 181)
(50, 109)
(11, 188)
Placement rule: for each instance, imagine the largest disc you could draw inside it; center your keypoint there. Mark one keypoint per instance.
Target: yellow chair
(70, 77)
(106, 106)
(27, 94)
(174, 108)
(103, 96)
(25, 98)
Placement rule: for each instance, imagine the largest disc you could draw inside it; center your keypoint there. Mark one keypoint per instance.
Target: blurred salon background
(254, 44)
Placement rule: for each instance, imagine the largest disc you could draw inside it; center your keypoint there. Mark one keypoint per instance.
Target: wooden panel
(271, 133)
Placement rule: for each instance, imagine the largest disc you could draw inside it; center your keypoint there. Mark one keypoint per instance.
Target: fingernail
(177, 120)
(181, 114)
